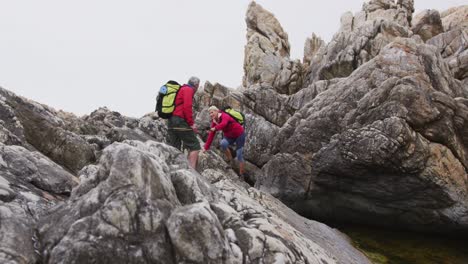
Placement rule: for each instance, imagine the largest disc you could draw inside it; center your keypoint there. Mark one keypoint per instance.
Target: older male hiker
(181, 128)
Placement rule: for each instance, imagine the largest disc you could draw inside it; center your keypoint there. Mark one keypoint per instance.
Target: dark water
(398, 247)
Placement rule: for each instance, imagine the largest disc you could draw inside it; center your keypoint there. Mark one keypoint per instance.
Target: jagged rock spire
(266, 55)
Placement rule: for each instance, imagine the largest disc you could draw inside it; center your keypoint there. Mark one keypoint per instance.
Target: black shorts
(179, 132)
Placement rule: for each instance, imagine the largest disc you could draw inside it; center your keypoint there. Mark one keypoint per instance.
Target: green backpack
(236, 115)
(165, 102)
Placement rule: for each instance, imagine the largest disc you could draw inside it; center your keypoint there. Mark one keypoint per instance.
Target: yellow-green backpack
(236, 115)
(165, 102)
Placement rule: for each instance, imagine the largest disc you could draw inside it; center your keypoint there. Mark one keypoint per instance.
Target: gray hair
(194, 81)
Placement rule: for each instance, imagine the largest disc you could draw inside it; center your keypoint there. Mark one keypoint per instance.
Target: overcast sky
(83, 54)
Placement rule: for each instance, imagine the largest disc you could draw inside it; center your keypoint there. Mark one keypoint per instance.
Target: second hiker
(233, 133)
(181, 128)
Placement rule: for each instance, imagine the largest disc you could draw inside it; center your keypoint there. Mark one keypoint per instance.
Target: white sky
(83, 54)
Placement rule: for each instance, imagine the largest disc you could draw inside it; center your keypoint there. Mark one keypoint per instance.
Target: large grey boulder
(375, 143)
(41, 127)
(103, 127)
(21, 166)
(266, 102)
(307, 94)
(17, 232)
(113, 126)
(260, 136)
(153, 126)
(29, 184)
(143, 204)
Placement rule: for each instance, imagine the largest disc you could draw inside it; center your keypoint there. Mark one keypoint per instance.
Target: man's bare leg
(193, 158)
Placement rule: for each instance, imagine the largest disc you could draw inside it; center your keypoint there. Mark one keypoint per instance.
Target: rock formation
(142, 204)
(453, 42)
(370, 128)
(361, 37)
(427, 24)
(378, 130)
(266, 59)
(138, 201)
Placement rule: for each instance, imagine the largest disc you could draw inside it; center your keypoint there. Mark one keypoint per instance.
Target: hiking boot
(242, 177)
(228, 165)
(232, 163)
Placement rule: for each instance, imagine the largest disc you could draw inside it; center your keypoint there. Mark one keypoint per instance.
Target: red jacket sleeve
(187, 105)
(224, 122)
(210, 138)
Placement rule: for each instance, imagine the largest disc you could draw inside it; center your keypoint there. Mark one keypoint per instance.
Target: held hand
(195, 129)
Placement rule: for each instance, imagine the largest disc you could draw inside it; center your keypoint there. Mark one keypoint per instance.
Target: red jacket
(230, 127)
(183, 104)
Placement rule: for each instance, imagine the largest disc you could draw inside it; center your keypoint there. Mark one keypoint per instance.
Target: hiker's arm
(209, 140)
(188, 113)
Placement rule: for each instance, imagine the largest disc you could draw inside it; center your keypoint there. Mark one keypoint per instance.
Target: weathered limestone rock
(287, 177)
(416, 188)
(21, 166)
(266, 55)
(8, 138)
(209, 245)
(453, 46)
(12, 129)
(427, 24)
(216, 94)
(397, 121)
(311, 47)
(29, 184)
(301, 98)
(101, 122)
(264, 101)
(260, 134)
(101, 218)
(43, 129)
(400, 11)
(153, 126)
(263, 238)
(360, 39)
(103, 127)
(455, 17)
(16, 231)
(142, 204)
